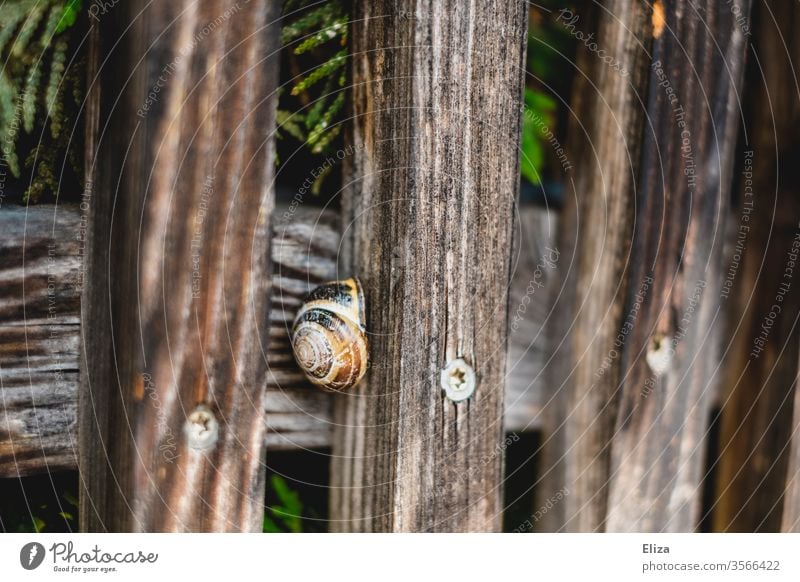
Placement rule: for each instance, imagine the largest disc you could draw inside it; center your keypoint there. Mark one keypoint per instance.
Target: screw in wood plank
(201, 428)
(659, 354)
(458, 380)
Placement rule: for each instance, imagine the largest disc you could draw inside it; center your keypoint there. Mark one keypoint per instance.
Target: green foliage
(548, 48)
(39, 93)
(67, 511)
(313, 117)
(286, 515)
(538, 120)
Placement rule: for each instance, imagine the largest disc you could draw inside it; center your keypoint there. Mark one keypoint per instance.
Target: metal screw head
(458, 380)
(201, 428)
(659, 354)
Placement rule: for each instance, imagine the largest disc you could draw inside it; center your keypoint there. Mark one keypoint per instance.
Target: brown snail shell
(329, 338)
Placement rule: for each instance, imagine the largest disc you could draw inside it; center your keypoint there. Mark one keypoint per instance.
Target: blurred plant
(38, 524)
(538, 118)
(39, 90)
(548, 45)
(286, 515)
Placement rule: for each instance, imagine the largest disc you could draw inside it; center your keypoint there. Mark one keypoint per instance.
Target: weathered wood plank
(762, 291)
(671, 359)
(39, 347)
(595, 240)
(436, 134)
(176, 290)
(304, 250)
(39, 311)
(791, 500)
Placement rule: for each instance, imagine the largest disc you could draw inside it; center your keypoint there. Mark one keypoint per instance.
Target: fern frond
(33, 45)
(325, 139)
(289, 122)
(69, 15)
(318, 91)
(324, 70)
(9, 126)
(52, 23)
(308, 21)
(52, 101)
(329, 33)
(29, 97)
(12, 16)
(322, 126)
(27, 29)
(318, 109)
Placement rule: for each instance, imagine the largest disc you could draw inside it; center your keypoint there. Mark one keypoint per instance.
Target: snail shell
(329, 339)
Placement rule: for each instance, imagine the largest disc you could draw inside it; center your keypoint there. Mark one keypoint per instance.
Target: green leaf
(290, 123)
(38, 524)
(538, 122)
(290, 499)
(270, 526)
(532, 158)
(290, 510)
(539, 101)
(70, 15)
(70, 498)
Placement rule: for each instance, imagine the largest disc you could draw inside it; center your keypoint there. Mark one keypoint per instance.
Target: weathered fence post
(791, 500)
(595, 240)
(428, 226)
(641, 371)
(176, 283)
(762, 288)
(671, 359)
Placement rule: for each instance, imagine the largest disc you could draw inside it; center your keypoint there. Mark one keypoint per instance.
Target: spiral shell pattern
(329, 338)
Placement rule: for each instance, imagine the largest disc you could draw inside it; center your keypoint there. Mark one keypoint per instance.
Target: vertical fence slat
(761, 366)
(594, 241)
(671, 359)
(437, 127)
(791, 501)
(175, 306)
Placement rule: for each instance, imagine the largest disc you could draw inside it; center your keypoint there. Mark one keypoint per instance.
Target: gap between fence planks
(175, 297)
(436, 130)
(40, 346)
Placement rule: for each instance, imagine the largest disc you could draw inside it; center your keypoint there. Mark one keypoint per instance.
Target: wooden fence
(144, 333)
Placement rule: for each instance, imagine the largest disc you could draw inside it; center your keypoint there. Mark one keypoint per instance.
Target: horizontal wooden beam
(40, 281)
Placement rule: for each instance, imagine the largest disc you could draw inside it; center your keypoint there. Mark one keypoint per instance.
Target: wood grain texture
(791, 500)
(595, 242)
(437, 106)
(175, 304)
(761, 366)
(671, 359)
(304, 248)
(39, 311)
